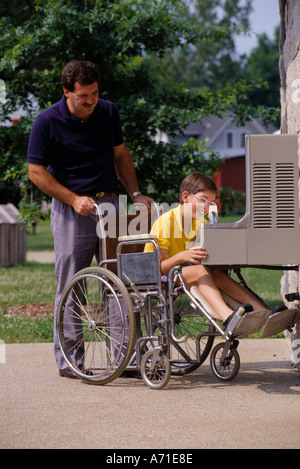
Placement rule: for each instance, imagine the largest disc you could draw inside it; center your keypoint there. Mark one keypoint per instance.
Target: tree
(289, 65)
(209, 63)
(214, 63)
(262, 63)
(39, 37)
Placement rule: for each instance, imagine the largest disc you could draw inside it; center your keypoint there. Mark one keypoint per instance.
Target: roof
(9, 214)
(211, 126)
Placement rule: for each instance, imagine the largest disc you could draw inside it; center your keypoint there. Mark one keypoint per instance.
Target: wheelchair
(120, 317)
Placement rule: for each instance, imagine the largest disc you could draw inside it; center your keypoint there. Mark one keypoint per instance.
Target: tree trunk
(289, 66)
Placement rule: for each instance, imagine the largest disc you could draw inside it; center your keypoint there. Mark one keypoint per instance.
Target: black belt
(97, 194)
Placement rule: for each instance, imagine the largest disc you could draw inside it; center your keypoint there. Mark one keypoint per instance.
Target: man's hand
(40, 176)
(83, 205)
(142, 199)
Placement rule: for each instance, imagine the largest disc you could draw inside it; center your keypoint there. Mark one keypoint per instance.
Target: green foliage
(212, 61)
(262, 64)
(231, 200)
(38, 39)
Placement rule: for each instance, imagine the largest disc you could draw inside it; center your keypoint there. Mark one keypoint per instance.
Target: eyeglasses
(203, 201)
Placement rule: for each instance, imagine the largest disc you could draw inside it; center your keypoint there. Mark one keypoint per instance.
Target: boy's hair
(84, 72)
(197, 182)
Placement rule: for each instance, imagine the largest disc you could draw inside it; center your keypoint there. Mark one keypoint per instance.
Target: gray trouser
(75, 244)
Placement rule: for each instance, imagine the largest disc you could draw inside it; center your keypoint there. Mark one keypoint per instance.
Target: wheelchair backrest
(124, 243)
(140, 268)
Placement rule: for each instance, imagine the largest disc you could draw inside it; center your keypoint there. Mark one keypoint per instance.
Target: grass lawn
(35, 283)
(42, 240)
(21, 330)
(23, 285)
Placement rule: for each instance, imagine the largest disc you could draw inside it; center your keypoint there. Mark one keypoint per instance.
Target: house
(227, 139)
(14, 116)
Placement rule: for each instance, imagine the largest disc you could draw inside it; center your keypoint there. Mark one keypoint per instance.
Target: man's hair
(197, 182)
(84, 72)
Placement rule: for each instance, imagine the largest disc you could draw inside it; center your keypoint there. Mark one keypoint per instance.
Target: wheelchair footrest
(280, 321)
(249, 323)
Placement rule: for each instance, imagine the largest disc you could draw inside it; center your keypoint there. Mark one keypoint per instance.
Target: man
(76, 152)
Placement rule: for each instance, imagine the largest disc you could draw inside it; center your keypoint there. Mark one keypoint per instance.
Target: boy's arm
(167, 264)
(193, 255)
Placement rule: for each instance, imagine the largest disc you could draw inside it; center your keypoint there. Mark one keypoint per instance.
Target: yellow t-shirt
(171, 234)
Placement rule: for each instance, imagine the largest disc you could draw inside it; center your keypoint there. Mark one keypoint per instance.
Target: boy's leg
(202, 276)
(234, 289)
(211, 281)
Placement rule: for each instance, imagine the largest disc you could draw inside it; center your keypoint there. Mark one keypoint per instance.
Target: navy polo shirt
(79, 154)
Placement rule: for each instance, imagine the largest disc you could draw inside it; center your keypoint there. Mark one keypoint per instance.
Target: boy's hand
(195, 254)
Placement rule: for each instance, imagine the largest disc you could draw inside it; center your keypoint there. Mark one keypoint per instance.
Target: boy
(177, 227)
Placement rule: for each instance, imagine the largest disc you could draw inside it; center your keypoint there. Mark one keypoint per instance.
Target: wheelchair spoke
(188, 356)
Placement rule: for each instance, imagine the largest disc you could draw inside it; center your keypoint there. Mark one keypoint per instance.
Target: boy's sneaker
(278, 308)
(248, 308)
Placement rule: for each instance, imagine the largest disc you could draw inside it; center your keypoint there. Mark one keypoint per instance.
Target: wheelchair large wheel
(189, 323)
(225, 367)
(96, 326)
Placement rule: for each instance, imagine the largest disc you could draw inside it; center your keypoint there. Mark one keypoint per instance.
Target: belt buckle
(100, 194)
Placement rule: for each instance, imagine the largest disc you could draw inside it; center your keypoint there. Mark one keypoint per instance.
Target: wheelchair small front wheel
(225, 367)
(155, 372)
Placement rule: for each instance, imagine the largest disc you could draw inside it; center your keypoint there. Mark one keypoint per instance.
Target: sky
(264, 18)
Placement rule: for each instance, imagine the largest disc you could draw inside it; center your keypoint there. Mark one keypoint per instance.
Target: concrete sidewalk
(260, 408)
(44, 257)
